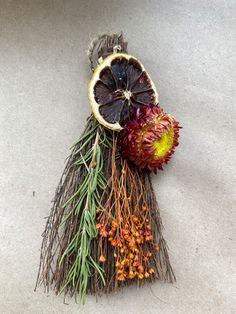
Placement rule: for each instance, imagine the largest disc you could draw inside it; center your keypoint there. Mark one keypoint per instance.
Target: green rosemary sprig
(87, 200)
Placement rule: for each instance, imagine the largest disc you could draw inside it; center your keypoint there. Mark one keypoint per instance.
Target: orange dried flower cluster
(125, 222)
(128, 235)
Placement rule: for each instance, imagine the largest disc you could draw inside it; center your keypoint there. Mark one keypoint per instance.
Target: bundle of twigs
(100, 196)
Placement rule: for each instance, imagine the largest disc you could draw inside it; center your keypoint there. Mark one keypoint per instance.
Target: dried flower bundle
(104, 230)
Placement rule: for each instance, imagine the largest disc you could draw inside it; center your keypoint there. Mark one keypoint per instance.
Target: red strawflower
(149, 138)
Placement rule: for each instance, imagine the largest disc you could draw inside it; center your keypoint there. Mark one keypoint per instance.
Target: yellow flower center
(163, 145)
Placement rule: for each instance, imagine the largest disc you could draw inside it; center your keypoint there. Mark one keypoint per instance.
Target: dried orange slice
(119, 84)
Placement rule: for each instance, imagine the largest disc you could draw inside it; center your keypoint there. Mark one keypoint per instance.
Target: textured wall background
(189, 49)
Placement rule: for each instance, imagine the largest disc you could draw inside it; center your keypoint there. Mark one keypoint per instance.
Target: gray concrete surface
(189, 49)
